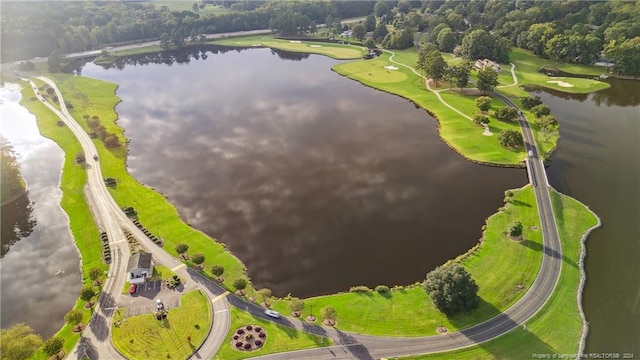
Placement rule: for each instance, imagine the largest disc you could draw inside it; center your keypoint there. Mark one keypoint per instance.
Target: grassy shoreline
(558, 327)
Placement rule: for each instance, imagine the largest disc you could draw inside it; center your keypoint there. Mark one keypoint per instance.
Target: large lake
(314, 181)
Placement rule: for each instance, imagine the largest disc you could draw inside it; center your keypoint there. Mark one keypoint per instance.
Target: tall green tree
(74, 317)
(329, 315)
(487, 80)
(380, 32)
(370, 23)
(19, 342)
(55, 61)
(381, 9)
(436, 66)
(452, 289)
(461, 73)
(507, 113)
(446, 40)
(625, 56)
(478, 44)
(359, 32)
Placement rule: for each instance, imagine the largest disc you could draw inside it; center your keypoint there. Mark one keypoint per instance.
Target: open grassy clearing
(279, 338)
(176, 337)
(336, 51)
(155, 212)
(557, 327)
(409, 312)
(83, 227)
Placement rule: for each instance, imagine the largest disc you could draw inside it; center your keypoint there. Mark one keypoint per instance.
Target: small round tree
(483, 103)
(329, 315)
(94, 274)
(182, 248)
(515, 229)
(510, 138)
(296, 306)
(198, 259)
(481, 119)
(240, 284)
(452, 289)
(266, 294)
(53, 346)
(507, 113)
(87, 293)
(74, 317)
(217, 270)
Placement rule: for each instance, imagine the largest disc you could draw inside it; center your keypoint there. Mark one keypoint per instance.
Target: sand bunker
(295, 41)
(560, 83)
(315, 45)
(391, 67)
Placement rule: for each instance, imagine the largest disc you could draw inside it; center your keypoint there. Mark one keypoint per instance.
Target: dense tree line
(31, 29)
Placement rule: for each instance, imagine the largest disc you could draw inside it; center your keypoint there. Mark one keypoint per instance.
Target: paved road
(96, 340)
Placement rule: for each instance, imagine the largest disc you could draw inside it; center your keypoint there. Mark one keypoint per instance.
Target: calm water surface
(37, 228)
(598, 162)
(316, 182)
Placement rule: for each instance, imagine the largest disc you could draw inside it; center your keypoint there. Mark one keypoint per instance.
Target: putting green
(373, 71)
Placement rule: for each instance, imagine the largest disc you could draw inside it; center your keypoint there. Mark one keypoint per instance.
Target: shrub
(217, 270)
(382, 288)
(360, 289)
(452, 289)
(240, 283)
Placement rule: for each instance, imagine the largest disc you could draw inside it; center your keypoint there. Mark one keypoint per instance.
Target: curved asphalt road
(96, 339)
(349, 345)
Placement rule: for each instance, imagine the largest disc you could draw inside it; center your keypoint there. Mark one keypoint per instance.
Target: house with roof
(140, 268)
(486, 63)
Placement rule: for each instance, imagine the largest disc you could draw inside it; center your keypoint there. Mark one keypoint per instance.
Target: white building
(139, 268)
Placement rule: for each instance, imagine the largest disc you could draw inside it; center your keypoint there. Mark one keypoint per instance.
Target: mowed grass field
(279, 338)
(498, 265)
(336, 51)
(176, 337)
(557, 327)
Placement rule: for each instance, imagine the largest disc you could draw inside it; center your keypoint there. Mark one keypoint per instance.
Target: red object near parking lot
(133, 288)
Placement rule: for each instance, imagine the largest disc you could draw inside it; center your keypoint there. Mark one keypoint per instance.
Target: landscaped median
(498, 264)
(557, 327)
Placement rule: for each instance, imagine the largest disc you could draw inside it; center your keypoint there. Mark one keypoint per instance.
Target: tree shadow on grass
(520, 203)
(535, 246)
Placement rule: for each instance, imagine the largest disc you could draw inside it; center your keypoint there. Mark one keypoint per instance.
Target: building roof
(139, 261)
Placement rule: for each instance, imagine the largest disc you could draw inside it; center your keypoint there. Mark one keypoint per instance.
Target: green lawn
(409, 312)
(83, 227)
(336, 51)
(557, 327)
(94, 97)
(145, 337)
(460, 133)
(279, 338)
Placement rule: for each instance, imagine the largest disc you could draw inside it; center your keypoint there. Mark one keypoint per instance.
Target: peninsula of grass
(333, 50)
(97, 98)
(460, 133)
(81, 223)
(498, 264)
(279, 338)
(556, 328)
(176, 337)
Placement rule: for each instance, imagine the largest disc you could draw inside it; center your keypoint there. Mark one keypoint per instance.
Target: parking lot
(143, 301)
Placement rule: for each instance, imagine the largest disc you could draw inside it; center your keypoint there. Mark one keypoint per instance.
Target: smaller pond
(35, 230)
